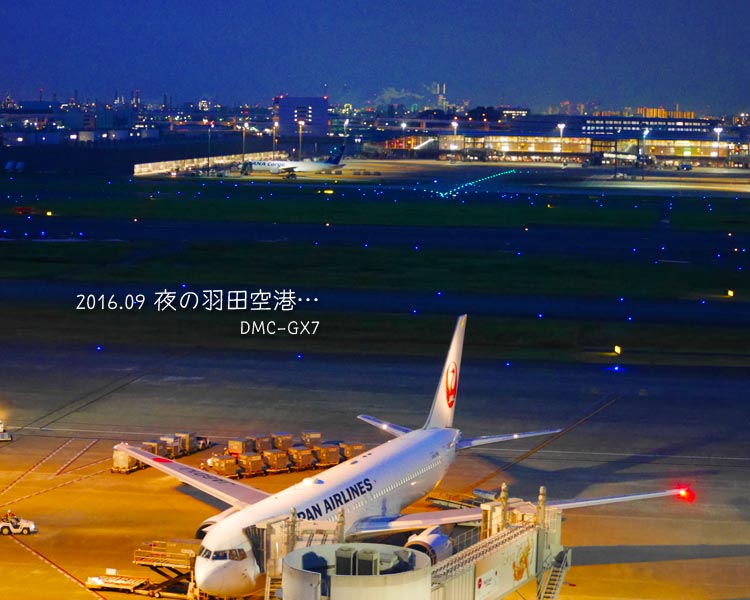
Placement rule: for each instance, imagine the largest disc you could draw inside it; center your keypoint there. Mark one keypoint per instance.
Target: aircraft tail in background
(443, 405)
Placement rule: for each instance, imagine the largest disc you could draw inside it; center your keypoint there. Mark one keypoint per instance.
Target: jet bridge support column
(495, 515)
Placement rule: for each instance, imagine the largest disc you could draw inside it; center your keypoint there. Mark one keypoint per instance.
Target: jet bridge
(515, 543)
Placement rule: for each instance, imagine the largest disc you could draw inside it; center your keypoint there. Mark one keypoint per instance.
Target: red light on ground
(686, 494)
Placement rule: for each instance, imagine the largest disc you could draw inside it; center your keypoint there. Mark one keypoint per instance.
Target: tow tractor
(12, 524)
(4, 435)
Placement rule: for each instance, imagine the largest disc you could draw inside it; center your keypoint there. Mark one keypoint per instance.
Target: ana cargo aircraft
(371, 489)
(290, 168)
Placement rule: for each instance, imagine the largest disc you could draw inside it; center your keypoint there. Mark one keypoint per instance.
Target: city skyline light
(536, 53)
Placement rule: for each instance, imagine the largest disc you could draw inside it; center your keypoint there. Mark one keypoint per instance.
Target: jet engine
(432, 542)
(206, 525)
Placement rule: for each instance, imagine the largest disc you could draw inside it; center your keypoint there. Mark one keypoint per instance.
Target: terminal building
(636, 139)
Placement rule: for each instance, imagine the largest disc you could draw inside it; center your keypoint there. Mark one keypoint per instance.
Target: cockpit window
(237, 554)
(231, 554)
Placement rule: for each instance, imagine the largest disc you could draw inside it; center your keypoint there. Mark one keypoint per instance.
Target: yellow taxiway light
(730, 293)
(48, 213)
(618, 350)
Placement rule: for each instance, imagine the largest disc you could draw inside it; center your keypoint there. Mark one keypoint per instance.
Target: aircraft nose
(223, 578)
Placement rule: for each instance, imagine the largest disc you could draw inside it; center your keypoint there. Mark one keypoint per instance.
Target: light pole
(643, 163)
(301, 124)
(244, 131)
(454, 124)
(275, 127)
(717, 131)
(403, 136)
(617, 137)
(561, 127)
(346, 126)
(210, 127)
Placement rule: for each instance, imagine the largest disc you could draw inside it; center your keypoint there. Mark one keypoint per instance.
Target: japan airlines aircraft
(290, 168)
(371, 489)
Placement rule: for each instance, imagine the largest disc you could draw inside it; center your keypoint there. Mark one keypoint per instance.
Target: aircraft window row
(394, 485)
(231, 554)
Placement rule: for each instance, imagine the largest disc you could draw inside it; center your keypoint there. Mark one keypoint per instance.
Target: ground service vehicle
(16, 525)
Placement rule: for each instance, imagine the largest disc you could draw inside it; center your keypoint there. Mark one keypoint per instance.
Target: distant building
(290, 110)
(662, 113)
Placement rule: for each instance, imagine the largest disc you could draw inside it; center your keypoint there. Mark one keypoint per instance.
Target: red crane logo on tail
(451, 384)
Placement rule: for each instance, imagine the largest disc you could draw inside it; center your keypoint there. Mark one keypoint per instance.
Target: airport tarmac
(668, 426)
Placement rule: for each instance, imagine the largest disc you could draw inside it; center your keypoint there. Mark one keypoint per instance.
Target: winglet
(392, 428)
(441, 413)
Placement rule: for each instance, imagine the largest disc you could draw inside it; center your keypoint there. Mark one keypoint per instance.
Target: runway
(667, 426)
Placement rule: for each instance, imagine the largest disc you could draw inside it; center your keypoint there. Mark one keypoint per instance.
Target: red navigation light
(686, 494)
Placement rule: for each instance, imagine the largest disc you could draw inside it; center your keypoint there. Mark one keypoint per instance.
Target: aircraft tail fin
(441, 413)
(336, 155)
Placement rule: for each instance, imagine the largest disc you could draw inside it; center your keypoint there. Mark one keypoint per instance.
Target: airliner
(370, 489)
(290, 168)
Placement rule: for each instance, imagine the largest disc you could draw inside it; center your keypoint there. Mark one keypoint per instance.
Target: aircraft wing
(392, 428)
(369, 525)
(424, 520)
(682, 492)
(229, 491)
(287, 169)
(492, 439)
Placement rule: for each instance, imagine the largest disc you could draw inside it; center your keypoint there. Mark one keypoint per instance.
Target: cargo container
(225, 465)
(352, 449)
(190, 442)
(301, 457)
(171, 446)
(261, 443)
(124, 463)
(327, 455)
(282, 440)
(157, 447)
(252, 464)
(277, 461)
(239, 446)
(311, 438)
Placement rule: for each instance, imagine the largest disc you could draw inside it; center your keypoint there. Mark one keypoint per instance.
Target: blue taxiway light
(98, 348)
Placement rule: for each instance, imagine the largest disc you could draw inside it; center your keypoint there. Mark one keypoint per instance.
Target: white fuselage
(296, 166)
(380, 482)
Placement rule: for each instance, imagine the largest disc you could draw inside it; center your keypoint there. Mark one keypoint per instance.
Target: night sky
(521, 52)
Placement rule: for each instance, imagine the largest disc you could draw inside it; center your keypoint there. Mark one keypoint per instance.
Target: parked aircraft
(371, 489)
(290, 168)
